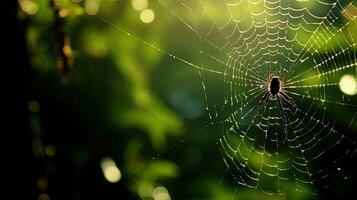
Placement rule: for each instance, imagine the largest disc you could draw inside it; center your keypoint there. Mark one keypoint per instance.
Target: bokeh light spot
(28, 6)
(34, 106)
(110, 170)
(51, 150)
(63, 13)
(43, 196)
(147, 16)
(348, 84)
(92, 7)
(139, 5)
(42, 183)
(161, 193)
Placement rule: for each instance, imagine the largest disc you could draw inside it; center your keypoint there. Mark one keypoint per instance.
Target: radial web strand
(309, 45)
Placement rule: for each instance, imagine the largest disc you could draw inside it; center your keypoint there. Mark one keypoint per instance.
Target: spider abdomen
(274, 86)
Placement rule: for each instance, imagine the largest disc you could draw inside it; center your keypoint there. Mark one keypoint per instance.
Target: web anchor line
(309, 45)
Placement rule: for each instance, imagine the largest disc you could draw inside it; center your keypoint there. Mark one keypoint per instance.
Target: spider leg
(287, 98)
(264, 99)
(267, 100)
(281, 108)
(285, 120)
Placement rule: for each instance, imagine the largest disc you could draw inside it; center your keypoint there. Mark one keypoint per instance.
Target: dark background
(90, 113)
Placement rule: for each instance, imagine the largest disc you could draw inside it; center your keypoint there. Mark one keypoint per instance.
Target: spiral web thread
(310, 45)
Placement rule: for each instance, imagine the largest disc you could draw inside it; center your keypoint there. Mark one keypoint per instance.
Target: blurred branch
(65, 61)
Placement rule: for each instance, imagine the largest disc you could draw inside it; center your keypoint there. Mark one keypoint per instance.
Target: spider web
(310, 45)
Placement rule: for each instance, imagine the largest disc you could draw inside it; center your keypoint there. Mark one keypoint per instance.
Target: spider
(275, 90)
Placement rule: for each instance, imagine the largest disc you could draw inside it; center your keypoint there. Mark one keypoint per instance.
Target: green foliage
(115, 90)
